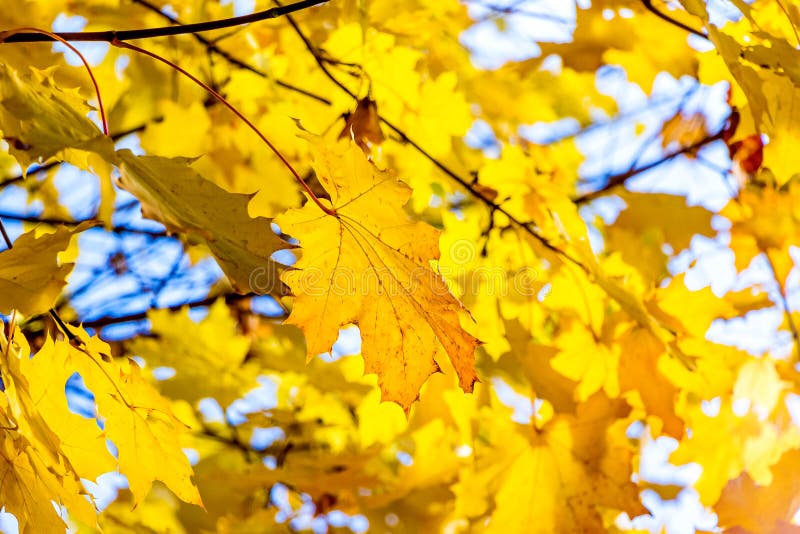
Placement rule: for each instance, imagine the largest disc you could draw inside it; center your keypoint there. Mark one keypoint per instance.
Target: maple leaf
(80, 439)
(31, 277)
(635, 43)
(43, 458)
(30, 485)
(193, 350)
(559, 478)
(39, 120)
(638, 364)
(369, 264)
(136, 418)
(651, 221)
(752, 446)
(535, 362)
(762, 508)
(172, 193)
(146, 433)
(363, 125)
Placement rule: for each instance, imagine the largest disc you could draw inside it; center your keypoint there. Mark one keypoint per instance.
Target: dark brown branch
(213, 48)
(617, 180)
(648, 4)
(147, 33)
(140, 316)
(51, 164)
(53, 221)
(466, 184)
(6, 238)
(38, 169)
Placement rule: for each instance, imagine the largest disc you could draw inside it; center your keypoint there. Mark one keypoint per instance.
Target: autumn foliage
(194, 215)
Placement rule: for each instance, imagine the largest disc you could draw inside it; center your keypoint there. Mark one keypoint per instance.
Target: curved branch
(8, 34)
(108, 320)
(648, 4)
(466, 184)
(147, 33)
(617, 180)
(54, 221)
(222, 100)
(214, 49)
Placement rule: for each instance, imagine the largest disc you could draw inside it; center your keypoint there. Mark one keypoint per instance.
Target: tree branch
(139, 316)
(620, 179)
(51, 164)
(213, 48)
(147, 33)
(466, 184)
(648, 4)
(53, 221)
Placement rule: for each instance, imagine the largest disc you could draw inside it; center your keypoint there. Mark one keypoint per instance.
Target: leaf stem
(230, 106)
(111, 36)
(7, 35)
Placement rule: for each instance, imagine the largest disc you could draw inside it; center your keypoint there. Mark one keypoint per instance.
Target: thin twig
(140, 316)
(466, 184)
(617, 180)
(147, 33)
(54, 221)
(212, 47)
(6, 238)
(236, 112)
(648, 4)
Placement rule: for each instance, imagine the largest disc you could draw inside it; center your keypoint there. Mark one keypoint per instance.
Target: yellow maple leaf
(633, 43)
(29, 486)
(638, 364)
(136, 418)
(146, 434)
(196, 350)
(42, 457)
(560, 478)
(752, 445)
(80, 439)
(370, 265)
(40, 120)
(536, 364)
(175, 195)
(30, 275)
(648, 223)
